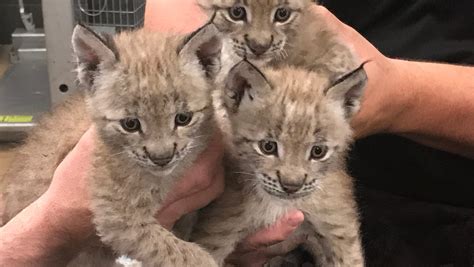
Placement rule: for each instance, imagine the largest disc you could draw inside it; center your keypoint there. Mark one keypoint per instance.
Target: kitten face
(257, 29)
(290, 127)
(150, 98)
(156, 120)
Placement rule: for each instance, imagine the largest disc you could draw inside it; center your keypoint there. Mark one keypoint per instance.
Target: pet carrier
(118, 14)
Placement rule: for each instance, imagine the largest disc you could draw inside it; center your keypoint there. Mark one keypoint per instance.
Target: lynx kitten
(149, 96)
(280, 34)
(288, 134)
(275, 32)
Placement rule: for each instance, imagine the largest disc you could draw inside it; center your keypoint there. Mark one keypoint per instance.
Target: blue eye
(130, 125)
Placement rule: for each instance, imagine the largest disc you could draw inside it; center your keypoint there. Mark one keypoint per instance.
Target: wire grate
(121, 14)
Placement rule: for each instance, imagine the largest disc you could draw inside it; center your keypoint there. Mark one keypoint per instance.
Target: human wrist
(71, 225)
(403, 94)
(33, 238)
(381, 101)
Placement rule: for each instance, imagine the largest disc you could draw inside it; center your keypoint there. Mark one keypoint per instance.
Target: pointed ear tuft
(349, 89)
(244, 84)
(205, 45)
(91, 51)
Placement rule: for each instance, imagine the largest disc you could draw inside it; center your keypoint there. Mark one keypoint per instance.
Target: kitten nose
(162, 160)
(257, 48)
(160, 157)
(291, 188)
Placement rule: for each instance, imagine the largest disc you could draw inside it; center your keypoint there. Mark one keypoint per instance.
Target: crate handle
(83, 10)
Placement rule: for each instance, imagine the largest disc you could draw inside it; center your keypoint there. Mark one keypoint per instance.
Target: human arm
(439, 109)
(51, 231)
(429, 103)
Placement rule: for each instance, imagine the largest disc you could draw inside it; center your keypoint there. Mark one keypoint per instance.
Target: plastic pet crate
(120, 14)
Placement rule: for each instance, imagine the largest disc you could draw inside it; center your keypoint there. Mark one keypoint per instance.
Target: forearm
(31, 239)
(439, 105)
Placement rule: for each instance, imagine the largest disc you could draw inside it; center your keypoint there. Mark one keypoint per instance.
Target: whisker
(320, 188)
(203, 135)
(191, 147)
(119, 153)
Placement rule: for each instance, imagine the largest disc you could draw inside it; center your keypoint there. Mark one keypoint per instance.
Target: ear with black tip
(245, 86)
(349, 89)
(203, 45)
(91, 51)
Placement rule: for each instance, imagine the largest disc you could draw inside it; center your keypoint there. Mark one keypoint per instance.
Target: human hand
(66, 202)
(383, 99)
(200, 185)
(51, 230)
(67, 199)
(183, 16)
(277, 240)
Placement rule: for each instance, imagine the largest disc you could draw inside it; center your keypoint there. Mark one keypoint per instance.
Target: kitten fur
(297, 109)
(143, 75)
(303, 40)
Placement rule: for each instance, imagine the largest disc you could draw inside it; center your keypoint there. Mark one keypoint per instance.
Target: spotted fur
(139, 75)
(298, 110)
(304, 40)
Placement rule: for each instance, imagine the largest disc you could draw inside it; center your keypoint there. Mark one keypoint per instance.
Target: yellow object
(15, 118)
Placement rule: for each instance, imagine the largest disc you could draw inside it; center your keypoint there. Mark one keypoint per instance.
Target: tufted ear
(203, 45)
(245, 85)
(92, 50)
(348, 90)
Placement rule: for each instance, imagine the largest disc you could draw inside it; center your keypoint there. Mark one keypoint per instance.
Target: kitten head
(258, 29)
(148, 93)
(290, 127)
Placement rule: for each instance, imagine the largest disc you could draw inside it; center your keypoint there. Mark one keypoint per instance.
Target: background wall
(10, 17)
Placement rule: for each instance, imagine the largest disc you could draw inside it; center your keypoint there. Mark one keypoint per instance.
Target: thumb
(278, 232)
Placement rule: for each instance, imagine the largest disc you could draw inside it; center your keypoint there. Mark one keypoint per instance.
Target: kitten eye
(282, 14)
(237, 13)
(268, 147)
(183, 119)
(130, 125)
(318, 152)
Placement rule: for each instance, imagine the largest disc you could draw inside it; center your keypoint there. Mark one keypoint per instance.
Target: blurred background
(36, 62)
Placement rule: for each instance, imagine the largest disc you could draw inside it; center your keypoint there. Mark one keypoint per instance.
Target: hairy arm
(429, 103)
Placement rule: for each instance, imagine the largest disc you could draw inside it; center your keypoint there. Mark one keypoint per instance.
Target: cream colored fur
(290, 105)
(143, 75)
(304, 40)
(297, 109)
